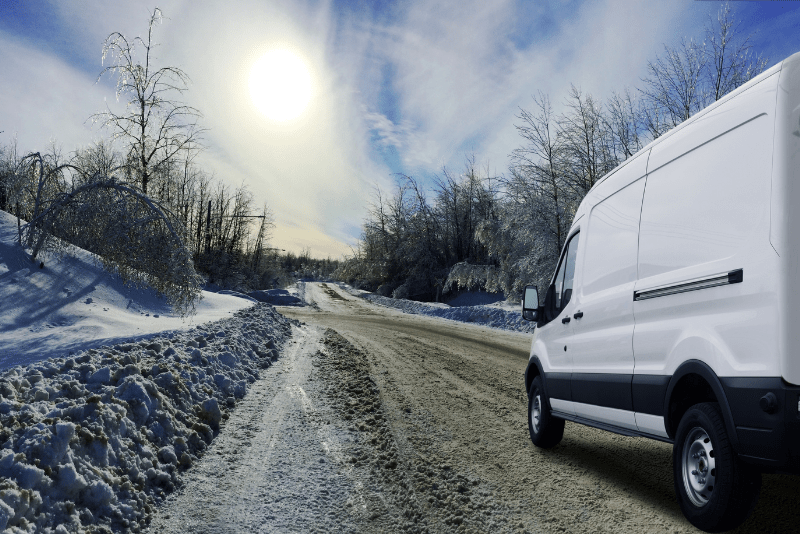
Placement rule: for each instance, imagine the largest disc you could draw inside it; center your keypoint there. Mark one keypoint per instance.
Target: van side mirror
(530, 304)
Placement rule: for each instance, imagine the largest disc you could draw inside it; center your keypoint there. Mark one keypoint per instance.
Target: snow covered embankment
(492, 316)
(92, 442)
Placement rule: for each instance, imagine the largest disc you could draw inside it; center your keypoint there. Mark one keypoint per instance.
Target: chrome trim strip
(731, 277)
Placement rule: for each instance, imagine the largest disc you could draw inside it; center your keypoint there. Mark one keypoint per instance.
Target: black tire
(546, 431)
(715, 489)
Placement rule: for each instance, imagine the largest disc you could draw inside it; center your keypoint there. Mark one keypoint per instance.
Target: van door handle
(565, 320)
(578, 315)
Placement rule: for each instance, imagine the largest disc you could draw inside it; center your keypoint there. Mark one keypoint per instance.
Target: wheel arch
(533, 370)
(693, 382)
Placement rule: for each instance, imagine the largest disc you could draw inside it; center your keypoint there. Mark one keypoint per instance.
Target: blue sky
(399, 87)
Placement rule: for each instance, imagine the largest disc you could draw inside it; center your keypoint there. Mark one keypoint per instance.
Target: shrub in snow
(120, 424)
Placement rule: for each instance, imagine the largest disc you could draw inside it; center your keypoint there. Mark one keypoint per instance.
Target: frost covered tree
(9, 161)
(730, 61)
(534, 210)
(587, 145)
(673, 83)
(623, 124)
(562, 157)
(156, 125)
(688, 77)
(409, 241)
(133, 235)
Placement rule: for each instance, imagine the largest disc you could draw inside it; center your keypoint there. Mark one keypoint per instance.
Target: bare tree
(674, 81)
(156, 125)
(730, 62)
(622, 122)
(536, 175)
(693, 75)
(587, 147)
(97, 160)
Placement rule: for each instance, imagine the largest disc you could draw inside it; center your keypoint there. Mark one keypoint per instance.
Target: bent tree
(156, 125)
(133, 235)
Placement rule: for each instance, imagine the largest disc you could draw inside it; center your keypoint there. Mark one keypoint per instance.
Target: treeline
(409, 243)
(500, 233)
(226, 234)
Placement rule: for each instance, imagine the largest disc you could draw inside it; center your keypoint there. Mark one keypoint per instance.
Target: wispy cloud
(463, 69)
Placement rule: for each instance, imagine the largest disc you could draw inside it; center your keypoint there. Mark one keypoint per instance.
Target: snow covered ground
(91, 441)
(72, 304)
(497, 315)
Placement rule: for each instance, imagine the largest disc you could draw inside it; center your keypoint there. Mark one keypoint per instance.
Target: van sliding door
(602, 345)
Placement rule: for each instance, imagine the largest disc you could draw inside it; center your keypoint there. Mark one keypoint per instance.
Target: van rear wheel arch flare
(701, 369)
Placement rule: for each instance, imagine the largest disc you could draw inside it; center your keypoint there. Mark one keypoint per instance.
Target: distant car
(674, 313)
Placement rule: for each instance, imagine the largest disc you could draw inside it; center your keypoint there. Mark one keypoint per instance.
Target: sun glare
(280, 85)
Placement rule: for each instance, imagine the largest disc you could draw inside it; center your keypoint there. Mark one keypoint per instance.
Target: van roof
(764, 75)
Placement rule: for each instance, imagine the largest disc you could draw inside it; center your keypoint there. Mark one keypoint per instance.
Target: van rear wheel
(716, 491)
(546, 431)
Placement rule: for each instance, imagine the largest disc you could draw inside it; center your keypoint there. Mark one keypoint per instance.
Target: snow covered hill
(72, 304)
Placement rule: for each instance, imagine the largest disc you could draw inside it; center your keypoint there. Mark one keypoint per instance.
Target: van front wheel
(716, 490)
(546, 431)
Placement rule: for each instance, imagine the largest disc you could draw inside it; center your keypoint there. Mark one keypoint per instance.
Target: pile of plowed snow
(495, 316)
(72, 304)
(95, 440)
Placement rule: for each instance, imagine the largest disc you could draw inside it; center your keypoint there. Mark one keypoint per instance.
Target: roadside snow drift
(495, 316)
(92, 442)
(72, 304)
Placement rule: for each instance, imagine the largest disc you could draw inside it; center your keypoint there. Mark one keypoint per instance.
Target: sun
(280, 85)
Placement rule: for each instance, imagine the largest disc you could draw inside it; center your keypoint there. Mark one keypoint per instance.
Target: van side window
(566, 274)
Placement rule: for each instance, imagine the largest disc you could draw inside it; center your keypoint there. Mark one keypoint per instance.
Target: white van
(674, 313)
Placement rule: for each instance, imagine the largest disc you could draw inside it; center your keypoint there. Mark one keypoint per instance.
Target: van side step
(609, 428)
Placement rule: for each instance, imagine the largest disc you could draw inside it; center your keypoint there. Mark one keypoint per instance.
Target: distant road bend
(379, 421)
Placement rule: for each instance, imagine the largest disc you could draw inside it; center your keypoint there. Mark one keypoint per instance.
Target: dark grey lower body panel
(635, 393)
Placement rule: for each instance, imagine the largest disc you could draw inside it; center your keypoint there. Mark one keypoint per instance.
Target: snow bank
(495, 316)
(70, 304)
(92, 442)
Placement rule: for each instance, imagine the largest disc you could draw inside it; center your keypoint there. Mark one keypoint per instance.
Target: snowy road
(379, 421)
